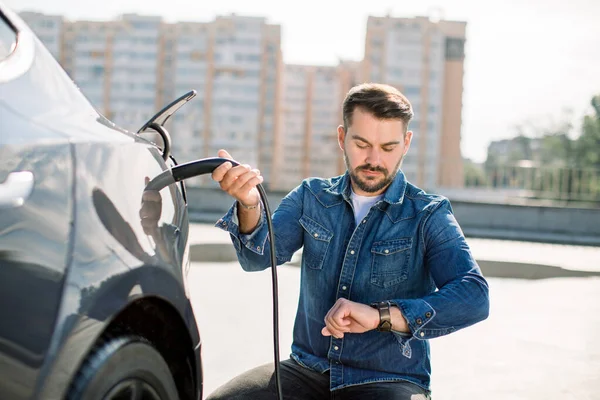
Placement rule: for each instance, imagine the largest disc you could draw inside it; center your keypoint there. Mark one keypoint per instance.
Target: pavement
(539, 342)
(497, 258)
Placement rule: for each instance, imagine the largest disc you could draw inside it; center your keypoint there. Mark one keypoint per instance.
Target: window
(411, 90)
(455, 48)
(8, 39)
(97, 71)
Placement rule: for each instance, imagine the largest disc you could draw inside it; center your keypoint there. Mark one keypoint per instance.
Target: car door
(36, 211)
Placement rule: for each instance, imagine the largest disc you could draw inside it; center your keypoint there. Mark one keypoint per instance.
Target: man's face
(373, 151)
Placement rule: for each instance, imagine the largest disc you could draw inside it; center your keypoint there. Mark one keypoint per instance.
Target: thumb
(224, 154)
(325, 332)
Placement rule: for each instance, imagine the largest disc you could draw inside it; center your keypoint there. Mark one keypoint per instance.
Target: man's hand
(151, 209)
(349, 317)
(239, 182)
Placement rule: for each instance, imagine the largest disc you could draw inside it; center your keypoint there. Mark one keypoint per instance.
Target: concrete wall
(501, 221)
(523, 222)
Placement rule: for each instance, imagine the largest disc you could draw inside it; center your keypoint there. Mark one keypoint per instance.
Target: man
(385, 266)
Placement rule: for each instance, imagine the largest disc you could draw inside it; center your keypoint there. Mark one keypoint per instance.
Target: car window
(8, 39)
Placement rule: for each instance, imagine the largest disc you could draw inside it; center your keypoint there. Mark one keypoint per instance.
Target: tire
(118, 368)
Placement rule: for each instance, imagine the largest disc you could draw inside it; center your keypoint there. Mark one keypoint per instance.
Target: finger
(224, 154)
(251, 184)
(151, 195)
(330, 331)
(336, 329)
(339, 315)
(232, 175)
(243, 179)
(331, 327)
(219, 172)
(335, 326)
(146, 180)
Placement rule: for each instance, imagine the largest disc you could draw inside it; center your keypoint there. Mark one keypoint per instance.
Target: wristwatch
(385, 319)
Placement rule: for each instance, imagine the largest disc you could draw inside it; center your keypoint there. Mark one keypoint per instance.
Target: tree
(474, 174)
(557, 149)
(588, 144)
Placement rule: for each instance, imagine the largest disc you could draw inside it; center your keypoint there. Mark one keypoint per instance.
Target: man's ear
(341, 136)
(407, 141)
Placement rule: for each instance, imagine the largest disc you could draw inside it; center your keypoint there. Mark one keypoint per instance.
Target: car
(94, 298)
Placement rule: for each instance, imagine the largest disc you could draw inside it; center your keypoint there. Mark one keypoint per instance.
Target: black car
(93, 294)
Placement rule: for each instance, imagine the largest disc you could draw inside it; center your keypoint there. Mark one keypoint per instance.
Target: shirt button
(422, 334)
(336, 348)
(419, 321)
(386, 251)
(428, 314)
(351, 251)
(258, 248)
(364, 221)
(316, 235)
(344, 287)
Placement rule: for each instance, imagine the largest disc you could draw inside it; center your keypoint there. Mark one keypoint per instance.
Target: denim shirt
(409, 250)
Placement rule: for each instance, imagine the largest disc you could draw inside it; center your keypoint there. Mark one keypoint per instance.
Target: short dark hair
(380, 100)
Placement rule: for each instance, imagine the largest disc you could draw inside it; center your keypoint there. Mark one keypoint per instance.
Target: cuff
(254, 241)
(418, 313)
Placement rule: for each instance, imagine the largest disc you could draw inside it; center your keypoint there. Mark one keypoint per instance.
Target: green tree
(557, 150)
(474, 174)
(588, 144)
(522, 149)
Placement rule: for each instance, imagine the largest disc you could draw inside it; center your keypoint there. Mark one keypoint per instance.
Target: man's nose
(373, 156)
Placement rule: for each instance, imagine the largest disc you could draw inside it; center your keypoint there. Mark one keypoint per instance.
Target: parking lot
(540, 341)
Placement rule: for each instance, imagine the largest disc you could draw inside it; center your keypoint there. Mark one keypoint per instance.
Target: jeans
(299, 383)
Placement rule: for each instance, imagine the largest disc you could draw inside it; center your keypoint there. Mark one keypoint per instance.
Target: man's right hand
(239, 182)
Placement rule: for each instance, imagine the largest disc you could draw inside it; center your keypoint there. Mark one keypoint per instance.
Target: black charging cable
(206, 166)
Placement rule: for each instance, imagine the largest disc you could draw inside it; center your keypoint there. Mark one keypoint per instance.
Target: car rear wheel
(124, 368)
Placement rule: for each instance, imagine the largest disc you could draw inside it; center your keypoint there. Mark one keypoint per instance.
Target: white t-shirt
(362, 205)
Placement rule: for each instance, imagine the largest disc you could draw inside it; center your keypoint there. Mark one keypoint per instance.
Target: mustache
(368, 167)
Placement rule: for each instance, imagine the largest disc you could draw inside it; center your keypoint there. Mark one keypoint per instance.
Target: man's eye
(388, 149)
(361, 145)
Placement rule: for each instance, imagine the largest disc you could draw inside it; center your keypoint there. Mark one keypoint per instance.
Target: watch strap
(385, 318)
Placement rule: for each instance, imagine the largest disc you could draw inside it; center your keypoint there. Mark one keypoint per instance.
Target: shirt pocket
(390, 261)
(316, 242)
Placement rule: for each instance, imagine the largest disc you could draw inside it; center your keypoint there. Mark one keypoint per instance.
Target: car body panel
(34, 249)
(96, 258)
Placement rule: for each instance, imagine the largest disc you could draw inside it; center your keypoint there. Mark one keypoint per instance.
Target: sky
(527, 61)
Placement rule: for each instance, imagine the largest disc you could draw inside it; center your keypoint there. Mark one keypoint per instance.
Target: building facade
(282, 119)
(424, 59)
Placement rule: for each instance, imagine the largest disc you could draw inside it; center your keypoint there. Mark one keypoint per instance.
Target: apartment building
(131, 67)
(86, 58)
(114, 63)
(311, 112)
(281, 119)
(133, 71)
(234, 63)
(48, 28)
(424, 59)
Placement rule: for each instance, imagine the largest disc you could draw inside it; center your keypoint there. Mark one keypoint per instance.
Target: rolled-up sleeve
(462, 298)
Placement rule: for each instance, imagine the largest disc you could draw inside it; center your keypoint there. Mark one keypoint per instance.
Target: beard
(372, 184)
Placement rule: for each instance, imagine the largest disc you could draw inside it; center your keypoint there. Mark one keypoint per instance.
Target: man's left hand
(349, 317)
